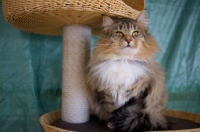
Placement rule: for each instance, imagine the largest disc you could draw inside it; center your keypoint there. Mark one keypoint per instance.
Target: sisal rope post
(76, 45)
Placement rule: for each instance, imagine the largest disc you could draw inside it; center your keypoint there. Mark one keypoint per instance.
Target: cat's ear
(107, 22)
(143, 18)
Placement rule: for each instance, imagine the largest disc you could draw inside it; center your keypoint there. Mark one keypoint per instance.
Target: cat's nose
(128, 40)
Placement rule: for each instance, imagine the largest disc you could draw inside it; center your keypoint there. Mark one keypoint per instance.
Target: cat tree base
(180, 122)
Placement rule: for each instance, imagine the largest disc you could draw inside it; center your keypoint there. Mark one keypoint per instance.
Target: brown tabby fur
(127, 102)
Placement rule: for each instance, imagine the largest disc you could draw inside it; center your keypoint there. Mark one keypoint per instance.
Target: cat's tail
(135, 122)
(132, 117)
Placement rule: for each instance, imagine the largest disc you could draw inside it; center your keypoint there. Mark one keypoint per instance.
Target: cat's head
(127, 38)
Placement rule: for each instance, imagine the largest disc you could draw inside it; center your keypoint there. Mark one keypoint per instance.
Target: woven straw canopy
(49, 16)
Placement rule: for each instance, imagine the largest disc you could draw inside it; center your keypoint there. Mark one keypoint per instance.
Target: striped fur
(126, 85)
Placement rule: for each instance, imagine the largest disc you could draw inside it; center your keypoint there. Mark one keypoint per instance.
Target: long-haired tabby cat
(126, 84)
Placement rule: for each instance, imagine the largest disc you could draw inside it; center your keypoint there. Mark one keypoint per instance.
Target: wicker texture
(47, 119)
(49, 16)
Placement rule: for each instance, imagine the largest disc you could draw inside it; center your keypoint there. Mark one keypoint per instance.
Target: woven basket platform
(49, 16)
(47, 119)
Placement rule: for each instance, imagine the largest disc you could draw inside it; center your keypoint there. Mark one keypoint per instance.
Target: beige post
(76, 45)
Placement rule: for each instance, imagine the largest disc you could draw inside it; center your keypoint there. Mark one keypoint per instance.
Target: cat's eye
(135, 33)
(118, 33)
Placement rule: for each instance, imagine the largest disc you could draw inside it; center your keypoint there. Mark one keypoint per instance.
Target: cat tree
(76, 21)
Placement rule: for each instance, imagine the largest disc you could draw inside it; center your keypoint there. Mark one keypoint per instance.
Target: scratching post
(76, 44)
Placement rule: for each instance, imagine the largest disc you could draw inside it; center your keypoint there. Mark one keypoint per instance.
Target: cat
(126, 85)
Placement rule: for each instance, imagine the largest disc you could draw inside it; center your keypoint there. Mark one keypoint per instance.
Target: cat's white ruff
(118, 74)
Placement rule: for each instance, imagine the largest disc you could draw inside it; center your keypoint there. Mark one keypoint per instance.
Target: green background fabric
(31, 65)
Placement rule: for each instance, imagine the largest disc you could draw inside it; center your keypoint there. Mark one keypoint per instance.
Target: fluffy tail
(132, 118)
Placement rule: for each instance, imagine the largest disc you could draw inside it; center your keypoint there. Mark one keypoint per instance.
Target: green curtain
(31, 65)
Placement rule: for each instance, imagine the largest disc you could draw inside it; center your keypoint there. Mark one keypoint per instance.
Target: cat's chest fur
(120, 72)
(118, 76)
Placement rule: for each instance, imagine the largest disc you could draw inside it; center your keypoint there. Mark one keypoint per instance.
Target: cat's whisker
(99, 45)
(99, 37)
(167, 53)
(87, 50)
(102, 44)
(107, 51)
(92, 48)
(160, 51)
(102, 55)
(96, 36)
